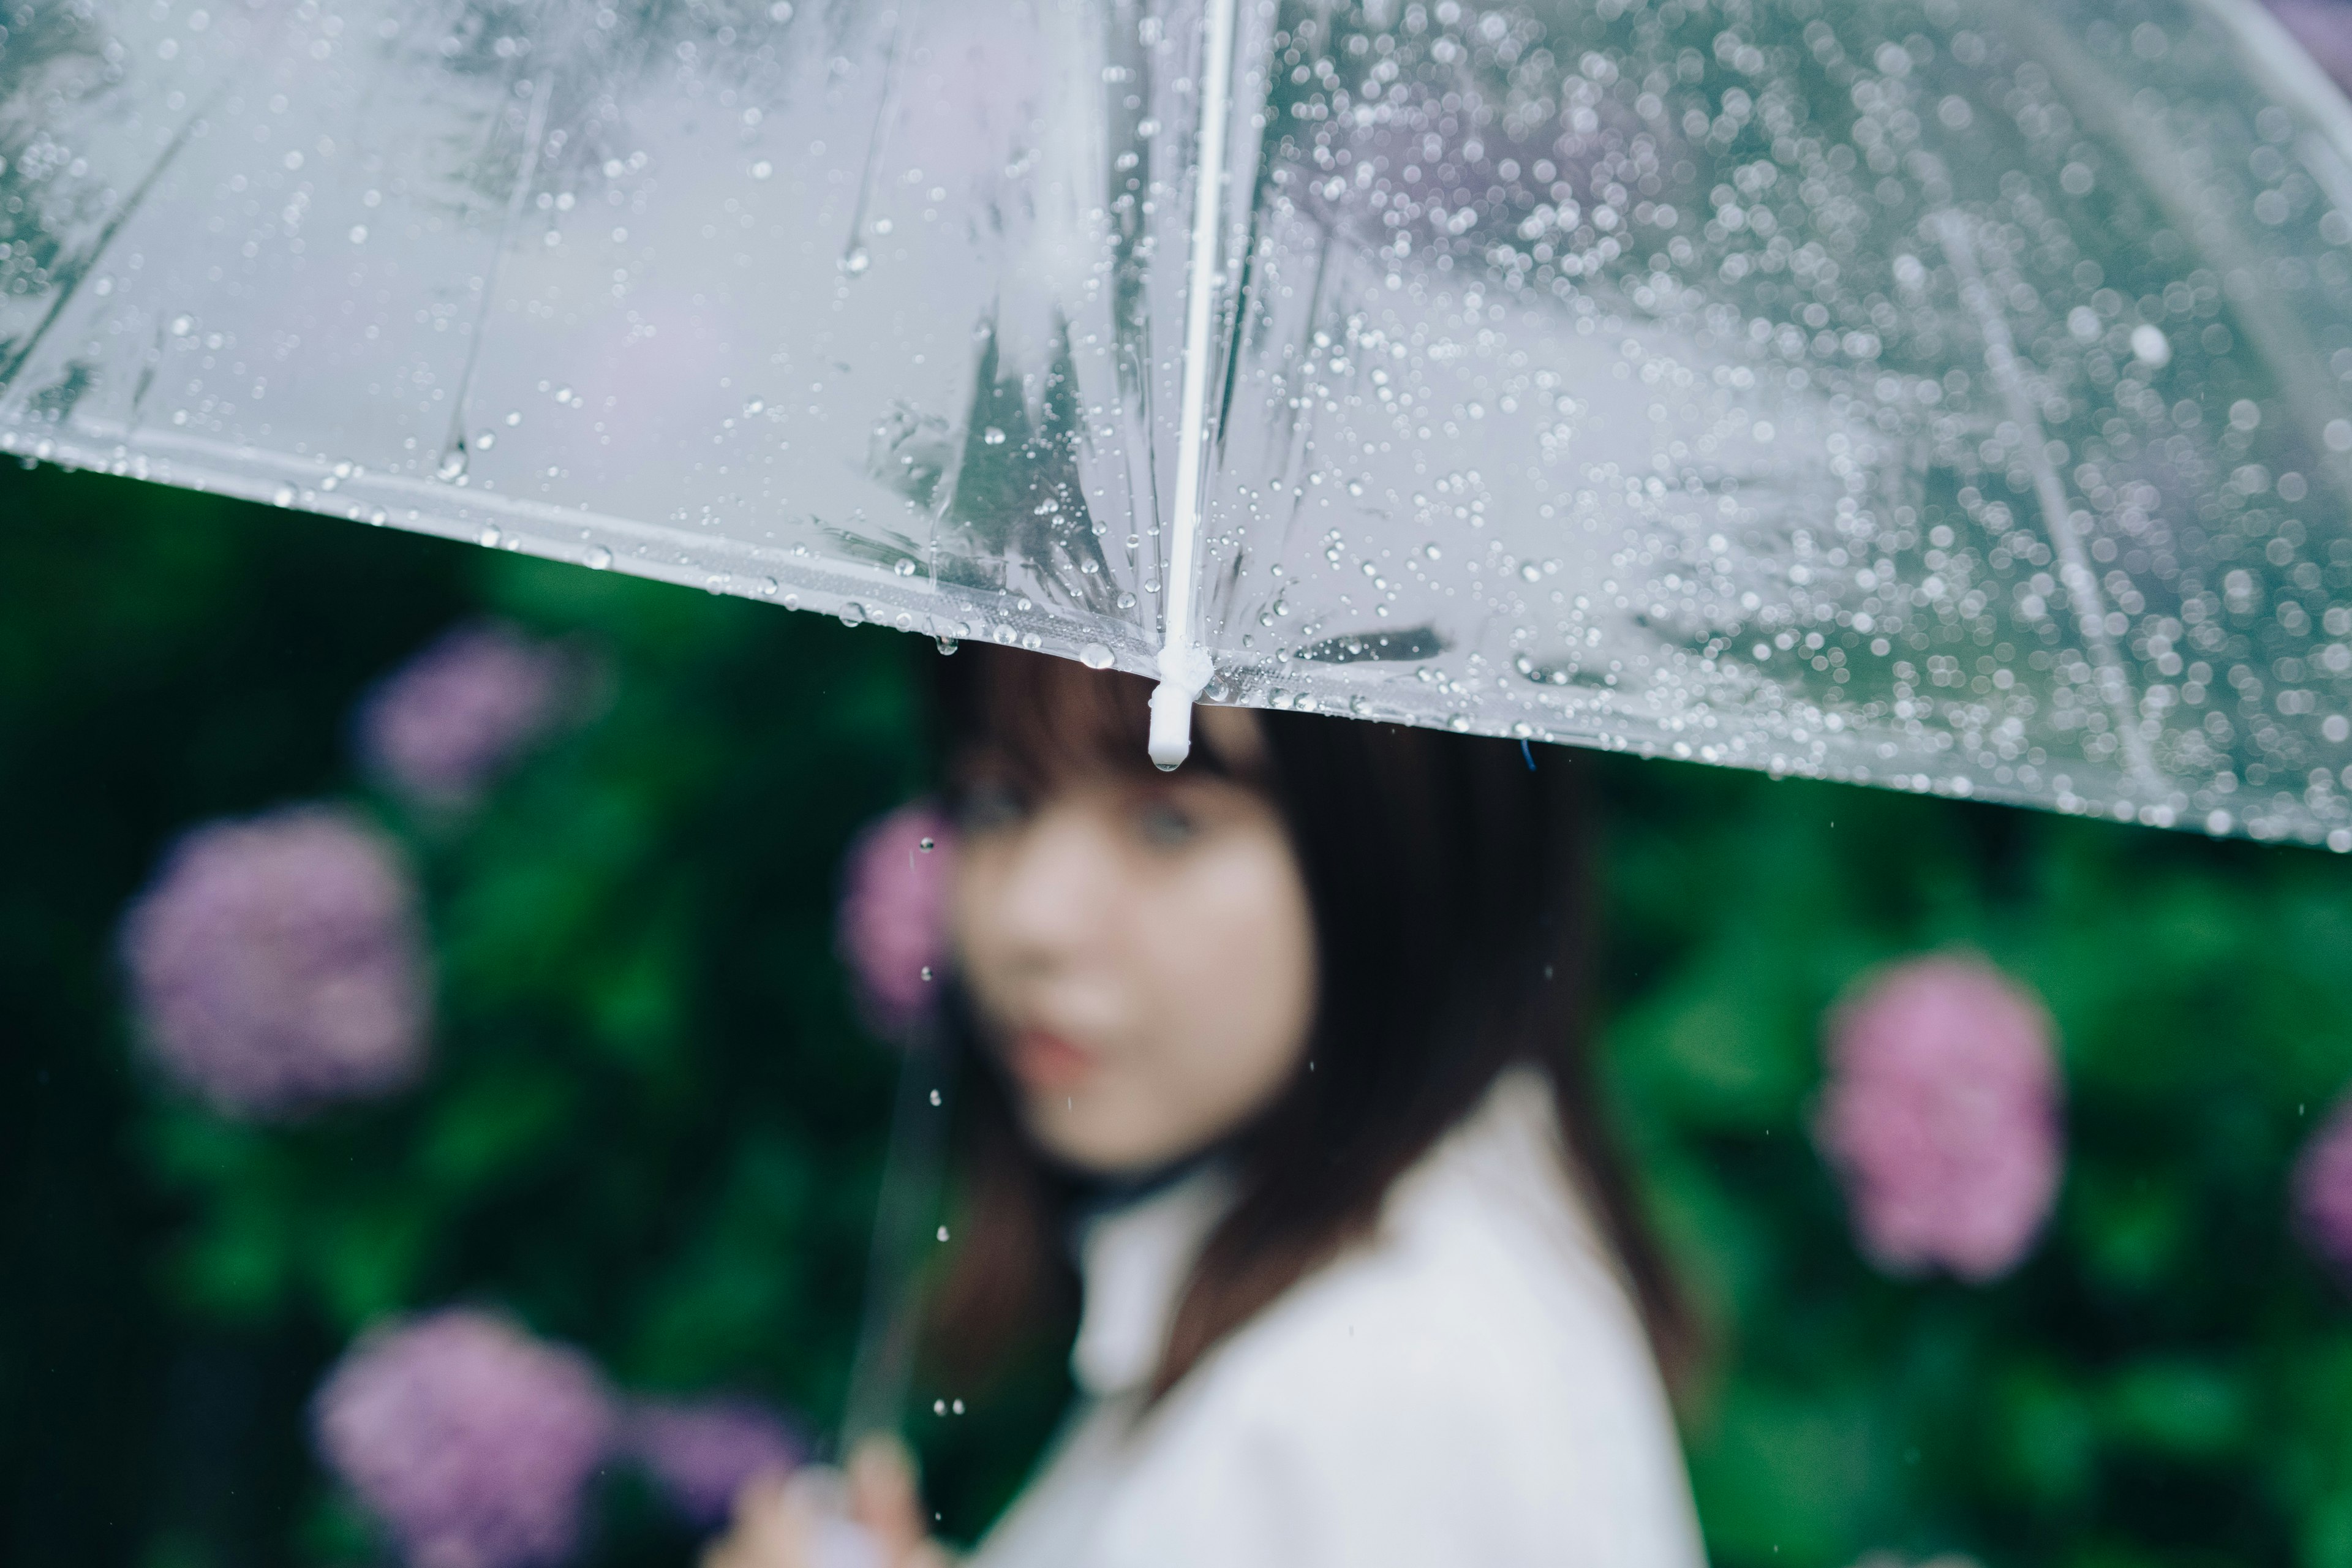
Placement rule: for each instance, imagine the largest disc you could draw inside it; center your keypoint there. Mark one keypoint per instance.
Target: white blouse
(1469, 1386)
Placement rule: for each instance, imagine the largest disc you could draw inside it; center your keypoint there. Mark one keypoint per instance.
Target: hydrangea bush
(472, 1442)
(277, 964)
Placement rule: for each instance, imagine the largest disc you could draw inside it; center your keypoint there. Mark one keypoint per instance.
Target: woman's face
(1140, 951)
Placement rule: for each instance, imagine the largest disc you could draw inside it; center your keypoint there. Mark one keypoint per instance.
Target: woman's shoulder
(1470, 1373)
(1485, 1287)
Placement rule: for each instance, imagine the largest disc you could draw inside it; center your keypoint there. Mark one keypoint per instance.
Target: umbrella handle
(883, 1364)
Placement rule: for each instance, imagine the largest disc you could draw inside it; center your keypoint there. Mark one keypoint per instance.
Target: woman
(1282, 1067)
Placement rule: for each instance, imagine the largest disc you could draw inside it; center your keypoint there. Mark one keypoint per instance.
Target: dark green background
(654, 1128)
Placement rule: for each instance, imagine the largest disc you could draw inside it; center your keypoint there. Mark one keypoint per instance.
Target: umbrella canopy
(1947, 394)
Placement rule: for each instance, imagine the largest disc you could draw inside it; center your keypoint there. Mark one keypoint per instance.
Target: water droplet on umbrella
(993, 436)
(1127, 601)
(753, 407)
(2150, 346)
(856, 261)
(763, 169)
(490, 537)
(1093, 656)
(947, 645)
(453, 464)
(853, 613)
(514, 417)
(597, 558)
(906, 568)
(926, 972)
(934, 1097)
(925, 845)
(943, 1233)
(768, 586)
(183, 325)
(284, 496)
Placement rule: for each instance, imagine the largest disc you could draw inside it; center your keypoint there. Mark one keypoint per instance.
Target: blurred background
(497, 1050)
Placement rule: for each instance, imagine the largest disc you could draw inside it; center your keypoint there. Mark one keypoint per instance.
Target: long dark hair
(1448, 882)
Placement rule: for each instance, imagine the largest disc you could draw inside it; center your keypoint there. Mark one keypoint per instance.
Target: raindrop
(856, 261)
(934, 1097)
(284, 496)
(486, 440)
(925, 845)
(753, 407)
(2150, 346)
(906, 568)
(768, 586)
(514, 417)
(993, 435)
(1127, 601)
(183, 325)
(490, 536)
(943, 1233)
(452, 465)
(358, 234)
(1095, 656)
(947, 645)
(926, 972)
(956, 1405)
(763, 169)
(597, 558)
(853, 613)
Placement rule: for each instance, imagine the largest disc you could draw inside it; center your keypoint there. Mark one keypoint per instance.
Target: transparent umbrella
(1953, 394)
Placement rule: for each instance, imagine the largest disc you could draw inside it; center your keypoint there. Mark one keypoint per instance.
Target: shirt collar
(1133, 1262)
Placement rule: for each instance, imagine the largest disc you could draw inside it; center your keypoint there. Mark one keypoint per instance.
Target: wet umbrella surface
(1953, 396)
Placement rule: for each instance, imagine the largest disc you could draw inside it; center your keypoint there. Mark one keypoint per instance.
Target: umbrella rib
(534, 133)
(1184, 666)
(2074, 565)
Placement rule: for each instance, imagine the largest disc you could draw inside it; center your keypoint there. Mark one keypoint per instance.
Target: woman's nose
(1050, 907)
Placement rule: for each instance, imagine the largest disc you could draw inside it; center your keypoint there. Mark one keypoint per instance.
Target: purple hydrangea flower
(702, 1452)
(441, 727)
(278, 963)
(2322, 1192)
(2324, 27)
(472, 1442)
(1941, 1114)
(893, 922)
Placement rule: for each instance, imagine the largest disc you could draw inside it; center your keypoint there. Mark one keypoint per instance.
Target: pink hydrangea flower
(893, 922)
(472, 1442)
(2322, 1192)
(441, 728)
(702, 1452)
(1941, 1115)
(278, 963)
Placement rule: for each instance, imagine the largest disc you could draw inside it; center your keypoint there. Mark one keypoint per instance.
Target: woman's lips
(1046, 1063)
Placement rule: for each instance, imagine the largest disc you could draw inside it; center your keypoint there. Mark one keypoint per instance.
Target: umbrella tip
(1183, 674)
(1172, 726)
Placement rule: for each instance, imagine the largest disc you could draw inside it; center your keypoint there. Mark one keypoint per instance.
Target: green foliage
(2160, 1382)
(653, 1128)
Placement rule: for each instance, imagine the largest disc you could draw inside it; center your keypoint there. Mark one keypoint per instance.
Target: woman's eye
(1163, 826)
(986, 807)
